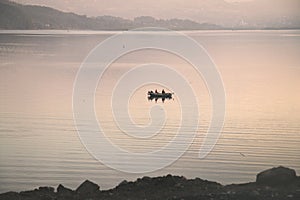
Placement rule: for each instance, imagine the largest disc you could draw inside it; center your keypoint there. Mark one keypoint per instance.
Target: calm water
(39, 144)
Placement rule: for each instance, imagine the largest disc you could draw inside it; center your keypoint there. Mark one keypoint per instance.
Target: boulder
(46, 189)
(87, 188)
(276, 176)
(45, 193)
(10, 196)
(63, 191)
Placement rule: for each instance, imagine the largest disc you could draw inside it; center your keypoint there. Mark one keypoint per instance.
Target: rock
(63, 191)
(146, 179)
(276, 176)
(45, 193)
(255, 193)
(46, 190)
(124, 182)
(87, 188)
(10, 196)
(176, 188)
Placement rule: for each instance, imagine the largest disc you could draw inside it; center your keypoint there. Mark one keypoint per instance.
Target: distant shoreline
(17, 16)
(80, 31)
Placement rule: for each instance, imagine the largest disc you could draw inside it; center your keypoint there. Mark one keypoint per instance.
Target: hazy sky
(216, 11)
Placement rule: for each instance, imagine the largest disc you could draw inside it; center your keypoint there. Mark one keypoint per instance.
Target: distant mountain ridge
(24, 17)
(18, 16)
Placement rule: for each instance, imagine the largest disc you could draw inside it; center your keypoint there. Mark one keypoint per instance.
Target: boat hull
(160, 95)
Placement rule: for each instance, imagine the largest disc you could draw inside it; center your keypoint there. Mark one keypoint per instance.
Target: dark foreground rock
(64, 193)
(87, 189)
(276, 176)
(277, 183)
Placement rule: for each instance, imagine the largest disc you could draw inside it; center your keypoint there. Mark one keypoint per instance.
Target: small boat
(154, 95)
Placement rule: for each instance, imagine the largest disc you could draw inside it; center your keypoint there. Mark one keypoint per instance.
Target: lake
(39, 144)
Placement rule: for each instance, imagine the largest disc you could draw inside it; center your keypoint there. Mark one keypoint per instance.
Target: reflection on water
(38, 140)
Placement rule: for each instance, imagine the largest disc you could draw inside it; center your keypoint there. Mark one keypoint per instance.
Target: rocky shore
(277, 183)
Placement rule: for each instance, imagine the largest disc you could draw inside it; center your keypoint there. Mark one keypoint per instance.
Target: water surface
(38, 139)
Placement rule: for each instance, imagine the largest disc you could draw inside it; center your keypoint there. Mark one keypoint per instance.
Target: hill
(18, 16)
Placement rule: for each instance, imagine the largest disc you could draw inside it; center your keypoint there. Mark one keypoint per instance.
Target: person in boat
(156, 91)
(163, 91)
